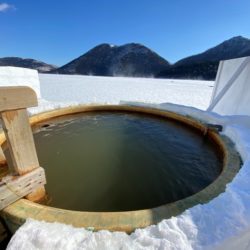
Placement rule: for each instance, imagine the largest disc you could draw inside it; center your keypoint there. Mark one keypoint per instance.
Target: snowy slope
(223, 223)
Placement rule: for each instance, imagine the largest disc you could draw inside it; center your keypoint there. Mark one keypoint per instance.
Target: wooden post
(20, 140)
(13, 104)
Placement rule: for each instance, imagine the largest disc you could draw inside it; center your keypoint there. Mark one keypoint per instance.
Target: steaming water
(103, 161)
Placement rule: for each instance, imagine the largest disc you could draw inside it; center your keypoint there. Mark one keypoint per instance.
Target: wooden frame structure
(26, 177)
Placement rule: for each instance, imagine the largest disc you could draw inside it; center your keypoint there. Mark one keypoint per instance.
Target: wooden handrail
(12, 98)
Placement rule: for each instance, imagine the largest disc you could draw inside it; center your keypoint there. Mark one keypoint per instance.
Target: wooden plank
(12, 98)
(20, 140)
(13, 188)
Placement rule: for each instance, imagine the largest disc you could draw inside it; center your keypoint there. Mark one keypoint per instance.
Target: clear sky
(57, 31)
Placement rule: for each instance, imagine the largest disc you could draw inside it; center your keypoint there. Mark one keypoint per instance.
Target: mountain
(233, 48)
(136, 60)
(205, 65)
(109, 60)
(196, 71)
(26, 63)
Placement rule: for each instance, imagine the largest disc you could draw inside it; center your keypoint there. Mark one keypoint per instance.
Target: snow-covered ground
(223, 223)
(89, 89)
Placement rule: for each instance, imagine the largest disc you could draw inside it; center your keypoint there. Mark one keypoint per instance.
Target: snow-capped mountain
(109, 60)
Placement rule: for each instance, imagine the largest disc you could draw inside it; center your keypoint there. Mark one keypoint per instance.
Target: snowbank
(223, 222)
(15, 76)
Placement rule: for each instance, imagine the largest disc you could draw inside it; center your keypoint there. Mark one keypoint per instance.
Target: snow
(15, 76)
(92, 89)
(223, 223)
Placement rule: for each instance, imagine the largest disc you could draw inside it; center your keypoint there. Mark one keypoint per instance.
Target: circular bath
(124, 167)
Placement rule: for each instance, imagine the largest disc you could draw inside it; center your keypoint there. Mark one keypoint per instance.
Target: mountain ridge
(204, 65)
(234, 47)
(131, 59)
(137, 60)
(29, 63)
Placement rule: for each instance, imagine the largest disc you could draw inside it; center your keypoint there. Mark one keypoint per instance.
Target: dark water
(122, 161)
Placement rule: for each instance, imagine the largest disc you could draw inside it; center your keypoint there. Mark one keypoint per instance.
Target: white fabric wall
(15, 76)
(231, 95)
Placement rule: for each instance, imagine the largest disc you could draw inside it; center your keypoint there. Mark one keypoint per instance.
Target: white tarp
(15, 76)
(231, 95)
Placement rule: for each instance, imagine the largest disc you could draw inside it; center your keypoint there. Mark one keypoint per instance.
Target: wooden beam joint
(13, 188)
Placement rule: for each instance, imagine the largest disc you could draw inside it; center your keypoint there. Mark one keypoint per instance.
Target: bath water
(118, 161)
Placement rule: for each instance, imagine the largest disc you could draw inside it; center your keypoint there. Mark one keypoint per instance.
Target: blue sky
(57, 31)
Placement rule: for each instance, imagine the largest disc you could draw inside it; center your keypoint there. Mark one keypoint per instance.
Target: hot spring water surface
(117, 161)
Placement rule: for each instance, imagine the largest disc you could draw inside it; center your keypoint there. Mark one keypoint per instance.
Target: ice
(223, 223)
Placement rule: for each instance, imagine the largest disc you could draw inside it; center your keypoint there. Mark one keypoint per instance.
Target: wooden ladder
(26, 177)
